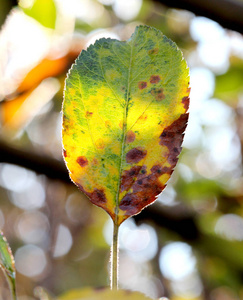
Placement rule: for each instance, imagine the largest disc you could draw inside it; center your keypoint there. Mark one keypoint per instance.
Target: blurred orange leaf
(16, 113)
(46, 68)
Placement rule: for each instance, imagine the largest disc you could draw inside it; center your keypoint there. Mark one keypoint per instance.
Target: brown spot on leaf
(172, 137)
(153, 51)
(142, 85)
(129, 204)
(130, 137)
(185, 102)
(158, 94)
(134, 155)
(97, 197)
(160, 170)
(144, 190)
(128, 178)
(64, 153)
(82, 161)
(88, 114)
(143, 170)
(154, 79)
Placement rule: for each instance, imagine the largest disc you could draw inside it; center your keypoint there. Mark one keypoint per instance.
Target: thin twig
(114, 258)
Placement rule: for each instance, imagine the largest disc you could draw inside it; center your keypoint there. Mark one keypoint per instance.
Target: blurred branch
(6, 7)
(177, 219)
(228, 13)
(12, 3)
(31, 160)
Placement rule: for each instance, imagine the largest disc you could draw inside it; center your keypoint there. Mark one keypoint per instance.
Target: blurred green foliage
(43, 11)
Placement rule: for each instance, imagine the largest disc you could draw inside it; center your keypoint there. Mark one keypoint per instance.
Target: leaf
(43, 11)
(124, 114)
(229, 85)
(102, 294)
(46, 68)
(18, 112)
(7, 263)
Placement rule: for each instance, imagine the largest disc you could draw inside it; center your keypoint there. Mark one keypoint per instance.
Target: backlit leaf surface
(124, 115)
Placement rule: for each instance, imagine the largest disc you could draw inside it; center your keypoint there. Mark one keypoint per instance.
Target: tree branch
(228, 13)
(31, 160)
(177, 219)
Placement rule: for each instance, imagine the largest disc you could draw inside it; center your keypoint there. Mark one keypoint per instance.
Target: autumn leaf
(7, 263)
(124, 115)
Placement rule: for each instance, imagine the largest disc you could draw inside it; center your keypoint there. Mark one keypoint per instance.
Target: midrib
(125, 111)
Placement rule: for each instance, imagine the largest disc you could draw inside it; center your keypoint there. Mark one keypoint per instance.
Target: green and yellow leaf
(124, 115)
(7, 263)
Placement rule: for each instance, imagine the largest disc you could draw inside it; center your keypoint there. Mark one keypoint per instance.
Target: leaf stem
(114, 257)
(11, 283)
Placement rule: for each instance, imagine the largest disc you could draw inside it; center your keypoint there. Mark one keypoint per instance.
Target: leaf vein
(95, 73)
(124, 132)
(103, 74)
(127, 66)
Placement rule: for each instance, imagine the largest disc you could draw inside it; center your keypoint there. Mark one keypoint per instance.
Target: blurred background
(189, 245)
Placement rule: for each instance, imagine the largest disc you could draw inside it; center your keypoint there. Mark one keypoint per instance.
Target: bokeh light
(177, 261)
(178, 264)
(213, 43)
(139, 242)
(32, 227)
(30, 260)
(64, 241)
(127, 10)
(230, 226)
